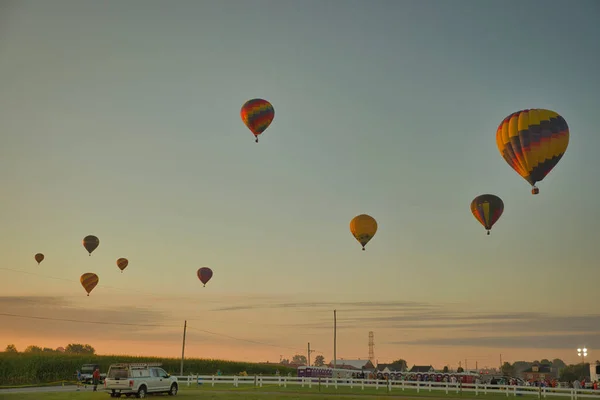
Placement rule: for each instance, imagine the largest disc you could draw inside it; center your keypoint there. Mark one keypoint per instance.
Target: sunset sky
(121, 120)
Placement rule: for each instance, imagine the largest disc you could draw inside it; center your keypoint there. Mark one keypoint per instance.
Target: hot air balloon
(363, 228)
(532, 142)
(90, 243)
(257, 114)
(204, 274)
(89, 280)
(487, 209)
(122, 263)
(39, 257)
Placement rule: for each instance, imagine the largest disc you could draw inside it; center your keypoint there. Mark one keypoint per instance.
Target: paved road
(46, 389)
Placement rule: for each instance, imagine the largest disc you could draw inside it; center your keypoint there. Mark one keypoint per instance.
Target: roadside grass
(274, 392)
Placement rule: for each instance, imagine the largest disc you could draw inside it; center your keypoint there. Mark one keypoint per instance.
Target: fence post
(285, 381)
(446, 387)
(335, 382)
(213, 381)
(362, 384)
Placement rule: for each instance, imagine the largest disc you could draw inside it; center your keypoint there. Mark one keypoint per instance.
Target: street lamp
(582, 353)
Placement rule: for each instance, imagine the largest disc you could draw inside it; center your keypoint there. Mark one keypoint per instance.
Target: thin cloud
(359, 306)
(524, 342)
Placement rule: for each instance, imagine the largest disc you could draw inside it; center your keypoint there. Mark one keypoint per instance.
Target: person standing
(96, 378)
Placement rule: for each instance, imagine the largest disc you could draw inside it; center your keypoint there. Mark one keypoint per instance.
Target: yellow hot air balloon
(363, 227)
(122, 263)
(89, 280)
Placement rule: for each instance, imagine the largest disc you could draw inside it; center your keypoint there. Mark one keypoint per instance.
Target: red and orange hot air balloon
(487, 209)
(532, 142)
(204, 274)
(122, 263)
(39, 257)
(257, 114)
(89, 280)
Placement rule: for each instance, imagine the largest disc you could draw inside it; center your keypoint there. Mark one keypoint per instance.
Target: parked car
(86, 373)
(139, 379)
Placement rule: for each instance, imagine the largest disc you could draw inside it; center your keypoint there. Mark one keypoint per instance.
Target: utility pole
(309, 351)
(500, 362)
(334, 339)
(183, 347)
(476, 367)
(466, 368)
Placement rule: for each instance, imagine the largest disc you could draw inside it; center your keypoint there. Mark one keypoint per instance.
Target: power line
(84, 321)
(143, 325)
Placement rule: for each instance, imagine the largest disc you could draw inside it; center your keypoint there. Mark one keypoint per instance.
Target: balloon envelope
(39, 257)
(204, 274)
(90, 243)
(487, 209)
(257, 114)
(89, 280)
(532, 142)
(363, 227)
(122, 263)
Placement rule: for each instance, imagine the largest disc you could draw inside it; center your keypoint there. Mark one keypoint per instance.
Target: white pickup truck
(139, 379)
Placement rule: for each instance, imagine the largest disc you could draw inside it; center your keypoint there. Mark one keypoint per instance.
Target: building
(539, 372)
(421, 369)
(357, 365)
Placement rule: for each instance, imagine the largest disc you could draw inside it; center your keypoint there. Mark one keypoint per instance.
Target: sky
(121, 120)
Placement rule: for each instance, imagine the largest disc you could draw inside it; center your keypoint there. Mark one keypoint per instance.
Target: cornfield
(36, 368)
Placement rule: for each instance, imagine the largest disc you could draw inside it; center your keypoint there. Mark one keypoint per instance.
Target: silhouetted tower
(371, 348)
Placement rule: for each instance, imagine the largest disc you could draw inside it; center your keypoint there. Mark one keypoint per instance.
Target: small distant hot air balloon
(204, 274)
(39, 257)
(122, 263)
(363, 227)
(257, 114)
(532, 142)
(89, 280)
(487, 209)
(90, 243)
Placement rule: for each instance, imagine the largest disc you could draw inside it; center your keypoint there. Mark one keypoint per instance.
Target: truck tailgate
(116, 384)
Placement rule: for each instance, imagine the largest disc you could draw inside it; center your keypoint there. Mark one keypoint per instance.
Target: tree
(11, 348)
(460, 369)
(76, 348)
(507, 369)
(545, 361)
(299, 359)
(558, 364)
(285, 361)
(319, 361)
(398, 365)
(33, 349)
(575, 372)
(445, 369)
(48, 350)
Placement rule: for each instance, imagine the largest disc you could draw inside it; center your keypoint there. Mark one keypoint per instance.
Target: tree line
(71, 348)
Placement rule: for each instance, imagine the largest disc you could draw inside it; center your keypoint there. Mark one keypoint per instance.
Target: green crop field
(18, 369)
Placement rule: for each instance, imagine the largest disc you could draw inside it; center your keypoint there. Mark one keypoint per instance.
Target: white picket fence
(389, 386)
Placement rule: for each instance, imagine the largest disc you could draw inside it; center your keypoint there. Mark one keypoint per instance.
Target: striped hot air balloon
(89, 280)
(532, 142)
(257, 114)
(487, 209)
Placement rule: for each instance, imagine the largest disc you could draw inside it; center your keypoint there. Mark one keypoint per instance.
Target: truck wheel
(173, 390)
(141, 394)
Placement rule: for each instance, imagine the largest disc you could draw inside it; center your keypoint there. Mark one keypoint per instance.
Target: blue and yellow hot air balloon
(487, 209)
(532, 142)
